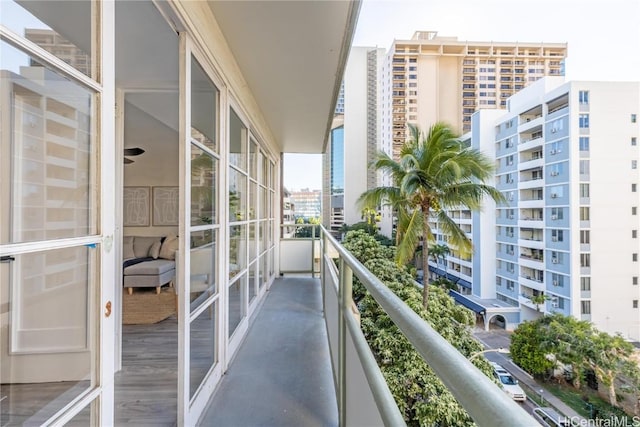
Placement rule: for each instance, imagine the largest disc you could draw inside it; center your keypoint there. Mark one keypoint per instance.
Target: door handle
(7, 258)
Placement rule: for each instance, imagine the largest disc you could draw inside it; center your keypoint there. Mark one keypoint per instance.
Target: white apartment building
(567, 163)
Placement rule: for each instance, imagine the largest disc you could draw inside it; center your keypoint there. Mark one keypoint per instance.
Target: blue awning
(432, 269)
(439, 272)
(464, 283)
(462, 300)
(451, 277)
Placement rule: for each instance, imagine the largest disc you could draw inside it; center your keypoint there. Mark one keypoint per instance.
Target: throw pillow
(169, 248)
(154, 250)
(127, 248)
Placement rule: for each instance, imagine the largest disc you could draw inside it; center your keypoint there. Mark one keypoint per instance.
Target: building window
(634, 257)
(634, 118)
(584, 143)
(585, 284)
(584, 190)
(583, 121)
(634, 280)
(634, 234)
(557, 280)
(634, 188)
(635, 303)
(557, 235)
(585, 260)
(557, 213)
(584, 167)
(509, 160)
(584, 213)
(634, 210)
(585, 237)
(634, 164)
(510, 285)
(583, 96)
(585, 307)
(634, 140)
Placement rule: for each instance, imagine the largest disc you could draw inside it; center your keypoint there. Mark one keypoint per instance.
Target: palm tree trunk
(425, 259)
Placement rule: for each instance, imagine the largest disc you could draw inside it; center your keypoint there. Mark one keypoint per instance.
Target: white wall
(355, 132)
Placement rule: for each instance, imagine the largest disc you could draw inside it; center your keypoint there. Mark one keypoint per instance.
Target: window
(634, 140)
(583, 97)
(555, 147)
(634, 280)
(510, 285)
(557, 235)
(585, 307)
(560, 302)
(585, 236)
(634, 118)
(634, 188)
(584, 213)
(557, 213)
(634, 234)
(584, 143)
(557, 280)
(585, 260)
(634, 210)
(635, 303)
(584, 190)
(509, 160)
(634, 164)
(584, 167)
(583, 120)
(585, 284)
(634, 257)
(557, 125)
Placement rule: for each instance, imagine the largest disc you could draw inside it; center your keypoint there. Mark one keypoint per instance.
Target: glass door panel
(49, 335)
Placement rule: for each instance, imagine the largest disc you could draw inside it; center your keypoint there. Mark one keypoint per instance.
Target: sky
(609, 29)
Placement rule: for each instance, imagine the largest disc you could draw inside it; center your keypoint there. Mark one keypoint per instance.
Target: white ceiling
(292, 55)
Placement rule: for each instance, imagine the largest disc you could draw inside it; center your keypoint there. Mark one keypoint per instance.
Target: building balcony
(312, 322)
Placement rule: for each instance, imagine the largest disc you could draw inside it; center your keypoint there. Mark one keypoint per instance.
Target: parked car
(508, 383)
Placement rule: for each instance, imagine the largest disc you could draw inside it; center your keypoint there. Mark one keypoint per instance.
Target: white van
(508, 383)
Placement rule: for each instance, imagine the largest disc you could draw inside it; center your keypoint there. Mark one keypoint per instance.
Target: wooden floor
(146, 387)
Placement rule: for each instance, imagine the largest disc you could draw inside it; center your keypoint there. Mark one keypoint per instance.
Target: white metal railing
(363, 395)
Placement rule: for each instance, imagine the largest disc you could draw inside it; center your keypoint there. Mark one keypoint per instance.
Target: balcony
(309, 322)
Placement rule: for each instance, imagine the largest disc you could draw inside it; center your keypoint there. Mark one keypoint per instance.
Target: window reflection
(203, 187)
(46, 163)
(62, 28)
(204, 107)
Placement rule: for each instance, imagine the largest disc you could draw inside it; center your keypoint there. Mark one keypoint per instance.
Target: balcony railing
(363, 395)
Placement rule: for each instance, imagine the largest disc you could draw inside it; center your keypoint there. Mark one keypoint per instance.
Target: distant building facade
(308, 203)
(567, 163)
(430, 78)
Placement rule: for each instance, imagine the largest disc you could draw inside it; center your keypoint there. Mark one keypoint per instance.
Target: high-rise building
(567, 164)
(307, 203)
(431, 78)
(354, 139)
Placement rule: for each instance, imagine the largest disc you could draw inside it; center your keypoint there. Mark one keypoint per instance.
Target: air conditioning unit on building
(555, 283)
(552, 152)
(554, 195)
(554, 239)
(510, 216)
(554, 302)
(554, 260)
(554, 130)
(554, 217)
(554, 173)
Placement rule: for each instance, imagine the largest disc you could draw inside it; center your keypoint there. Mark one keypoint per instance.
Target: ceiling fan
(136, 151)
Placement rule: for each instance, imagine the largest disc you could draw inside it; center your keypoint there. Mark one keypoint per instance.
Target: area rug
(144, 306)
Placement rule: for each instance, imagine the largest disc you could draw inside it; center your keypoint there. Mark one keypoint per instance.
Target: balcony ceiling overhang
(292, 55)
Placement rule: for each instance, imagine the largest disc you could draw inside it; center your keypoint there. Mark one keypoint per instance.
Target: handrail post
(313, 251)
(344, 301)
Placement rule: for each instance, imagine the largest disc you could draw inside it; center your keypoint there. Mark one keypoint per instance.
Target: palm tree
(435, 172)
(539, 300)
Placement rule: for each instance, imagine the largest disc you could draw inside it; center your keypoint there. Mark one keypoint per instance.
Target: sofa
(148, 261)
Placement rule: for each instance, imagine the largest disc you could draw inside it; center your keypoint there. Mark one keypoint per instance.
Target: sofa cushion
(142, 244)
(150, 268)
(154, 251)
(169, 247)
(127, 247)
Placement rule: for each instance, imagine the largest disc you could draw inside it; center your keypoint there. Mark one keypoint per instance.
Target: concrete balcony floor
(281, 375)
